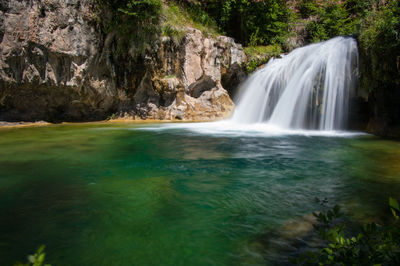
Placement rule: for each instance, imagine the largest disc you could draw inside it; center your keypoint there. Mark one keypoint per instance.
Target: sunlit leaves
(36, 259)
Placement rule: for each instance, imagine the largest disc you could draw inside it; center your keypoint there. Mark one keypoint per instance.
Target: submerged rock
(56, 64)
(289, 240)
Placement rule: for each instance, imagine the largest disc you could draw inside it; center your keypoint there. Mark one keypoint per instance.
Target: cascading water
(307, 89)
(306, 92)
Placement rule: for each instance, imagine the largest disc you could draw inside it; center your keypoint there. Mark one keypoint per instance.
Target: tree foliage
(327, 19)
(259, 22)
(135, 21)
(379, 41)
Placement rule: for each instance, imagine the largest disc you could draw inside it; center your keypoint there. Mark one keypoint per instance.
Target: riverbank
(5, 124)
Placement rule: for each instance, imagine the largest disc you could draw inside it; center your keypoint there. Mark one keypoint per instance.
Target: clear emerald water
(115, 194)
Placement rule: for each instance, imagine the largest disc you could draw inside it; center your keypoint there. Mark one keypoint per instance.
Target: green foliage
(379, 42)
(142, 10)
(263, 22)
(332, 18)
(316, 31)
(394, 207)
(173, 33)
(307, 8)
(199, 15)
(259, 55)
(135, 21)
(176, 16)
(36, 259)
(360, 8)
(373, 245)
(112, 116)
(255, 39)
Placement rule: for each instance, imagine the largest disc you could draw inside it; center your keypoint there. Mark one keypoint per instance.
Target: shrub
(373, 245)
(307, 8)
(332, 19)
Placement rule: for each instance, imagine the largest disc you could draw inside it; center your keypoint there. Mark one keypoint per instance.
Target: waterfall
(307, 89)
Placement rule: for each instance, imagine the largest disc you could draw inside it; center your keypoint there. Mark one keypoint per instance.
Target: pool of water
(154, 194)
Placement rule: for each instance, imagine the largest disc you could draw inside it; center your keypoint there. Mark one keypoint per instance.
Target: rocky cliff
(56, 64)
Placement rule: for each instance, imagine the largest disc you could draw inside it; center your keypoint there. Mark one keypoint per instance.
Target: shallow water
(179, 194)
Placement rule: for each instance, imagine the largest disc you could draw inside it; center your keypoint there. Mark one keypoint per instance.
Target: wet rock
(385, 111)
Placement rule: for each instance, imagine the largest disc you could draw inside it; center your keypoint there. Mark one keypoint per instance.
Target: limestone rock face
(57, 65)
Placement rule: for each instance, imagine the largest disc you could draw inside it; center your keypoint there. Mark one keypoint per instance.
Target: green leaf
(40, 258)
(394, 204)
(395, 214)
(328, 250)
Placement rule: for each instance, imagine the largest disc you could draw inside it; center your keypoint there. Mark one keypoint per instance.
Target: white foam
(309, 88)
(233, 129)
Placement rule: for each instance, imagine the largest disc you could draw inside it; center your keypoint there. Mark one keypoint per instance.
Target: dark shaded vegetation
(327, 20)
(379, 38)
(135, 21)
(373, 244)
(379, 43)
(247, 21)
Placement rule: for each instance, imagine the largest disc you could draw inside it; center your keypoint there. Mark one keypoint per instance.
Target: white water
(306, 89)
(228, 128)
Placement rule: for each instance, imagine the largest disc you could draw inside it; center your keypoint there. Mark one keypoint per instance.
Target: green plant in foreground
(36, 259)
(374, 245)
(112, 116)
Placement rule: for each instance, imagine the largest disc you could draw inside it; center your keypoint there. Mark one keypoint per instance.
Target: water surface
(143, 194)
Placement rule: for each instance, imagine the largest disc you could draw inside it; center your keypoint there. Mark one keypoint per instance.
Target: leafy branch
(374, 244)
